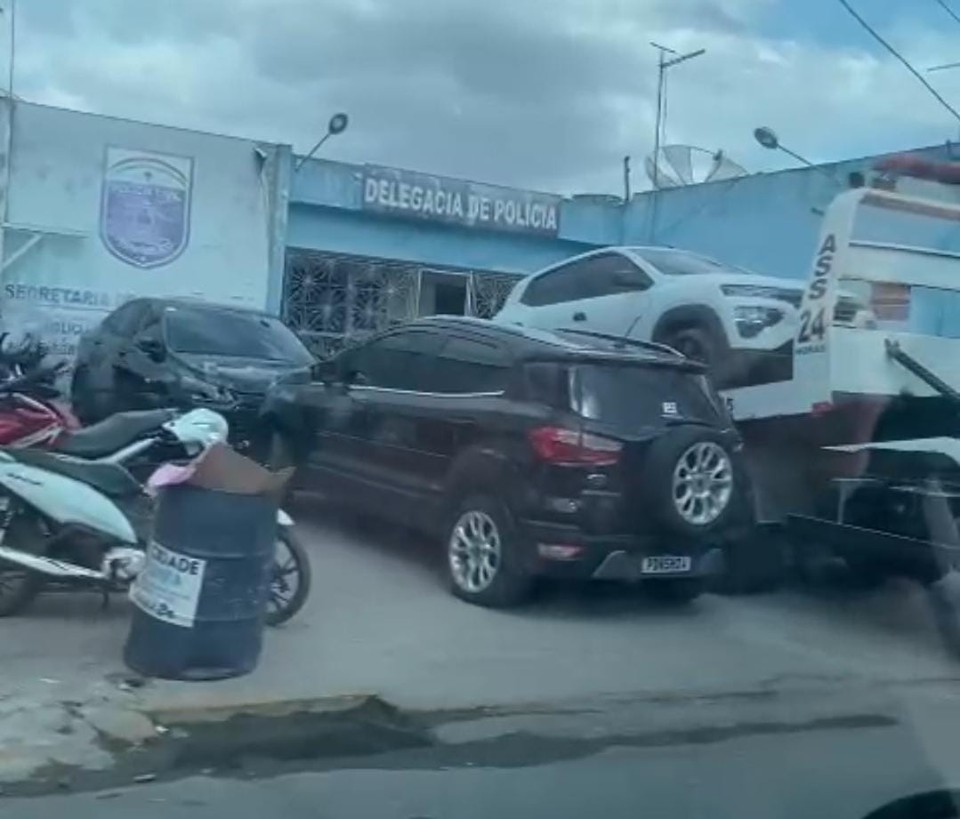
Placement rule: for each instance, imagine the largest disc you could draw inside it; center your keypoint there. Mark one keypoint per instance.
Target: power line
(947, 9)
(873, 33)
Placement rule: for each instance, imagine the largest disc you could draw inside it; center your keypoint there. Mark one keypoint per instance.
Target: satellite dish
(676, 166)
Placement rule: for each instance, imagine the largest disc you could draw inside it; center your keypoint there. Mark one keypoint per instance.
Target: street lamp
(337, 125)
(768, 138)
(662, 66)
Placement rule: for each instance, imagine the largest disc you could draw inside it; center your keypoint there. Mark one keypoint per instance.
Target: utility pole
(12, 12)
(663, 63)
(8, 23)
(626, 179)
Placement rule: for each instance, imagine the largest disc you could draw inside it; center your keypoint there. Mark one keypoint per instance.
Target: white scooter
(68, 521)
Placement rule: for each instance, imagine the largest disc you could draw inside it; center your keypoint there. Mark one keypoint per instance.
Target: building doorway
(443, 293)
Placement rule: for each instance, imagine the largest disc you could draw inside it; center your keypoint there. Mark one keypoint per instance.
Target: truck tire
(694, 484)
(864, 575)
(754, 564)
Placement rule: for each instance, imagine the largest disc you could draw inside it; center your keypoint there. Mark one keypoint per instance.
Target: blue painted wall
(354, 232)
(768, 223)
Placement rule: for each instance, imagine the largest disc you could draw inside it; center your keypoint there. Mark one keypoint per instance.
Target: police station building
(98, 209)
(368, 246)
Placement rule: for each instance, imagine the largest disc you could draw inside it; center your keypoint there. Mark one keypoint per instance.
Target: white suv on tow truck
(739, 323)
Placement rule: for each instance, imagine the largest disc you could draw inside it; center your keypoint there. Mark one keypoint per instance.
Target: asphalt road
(379, 620)
(842, 772)
(763, 700)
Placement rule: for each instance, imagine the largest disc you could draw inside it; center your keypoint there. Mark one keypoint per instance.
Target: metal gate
(333, 300)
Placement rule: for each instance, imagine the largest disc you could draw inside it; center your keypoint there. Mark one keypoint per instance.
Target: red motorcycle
(31, 416)
(32, 411)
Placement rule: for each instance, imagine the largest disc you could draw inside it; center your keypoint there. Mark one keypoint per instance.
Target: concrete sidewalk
(60, 664)
(380, 622)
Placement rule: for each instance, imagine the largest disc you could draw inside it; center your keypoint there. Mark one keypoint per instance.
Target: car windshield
(233, 334)
(680, 263)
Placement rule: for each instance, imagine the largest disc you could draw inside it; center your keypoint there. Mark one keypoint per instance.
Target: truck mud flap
(921, 560)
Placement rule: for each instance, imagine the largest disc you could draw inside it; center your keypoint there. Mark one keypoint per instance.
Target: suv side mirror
(153, 347)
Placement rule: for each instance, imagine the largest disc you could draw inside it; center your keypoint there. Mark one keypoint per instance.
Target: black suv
(154, 352)
(566, 453)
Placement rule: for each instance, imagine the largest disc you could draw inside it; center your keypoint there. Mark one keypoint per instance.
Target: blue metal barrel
(201, 599)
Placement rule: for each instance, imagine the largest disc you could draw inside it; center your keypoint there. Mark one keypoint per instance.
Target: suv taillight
(569, 447)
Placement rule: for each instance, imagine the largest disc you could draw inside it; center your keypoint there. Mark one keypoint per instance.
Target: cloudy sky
(546, 94)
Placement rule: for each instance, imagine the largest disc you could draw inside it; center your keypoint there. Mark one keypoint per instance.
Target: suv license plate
(666, 564)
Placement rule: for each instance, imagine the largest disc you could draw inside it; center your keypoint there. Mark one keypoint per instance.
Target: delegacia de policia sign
(455, 202)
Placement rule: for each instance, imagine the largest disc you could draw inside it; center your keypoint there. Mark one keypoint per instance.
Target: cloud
(539, 94)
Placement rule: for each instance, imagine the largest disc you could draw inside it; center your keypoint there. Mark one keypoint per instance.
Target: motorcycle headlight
(751, 320)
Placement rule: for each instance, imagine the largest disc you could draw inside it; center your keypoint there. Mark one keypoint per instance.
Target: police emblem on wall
(145, 206)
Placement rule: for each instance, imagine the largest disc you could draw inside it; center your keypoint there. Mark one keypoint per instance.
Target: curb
(171, 716)
(146, 745)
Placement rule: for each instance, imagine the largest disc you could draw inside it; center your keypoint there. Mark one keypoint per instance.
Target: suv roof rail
(623, 340)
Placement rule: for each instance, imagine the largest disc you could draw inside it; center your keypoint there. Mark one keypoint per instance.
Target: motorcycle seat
(112, 434)
(111, 479)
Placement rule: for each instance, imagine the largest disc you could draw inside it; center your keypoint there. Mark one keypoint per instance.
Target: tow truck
(855, 457)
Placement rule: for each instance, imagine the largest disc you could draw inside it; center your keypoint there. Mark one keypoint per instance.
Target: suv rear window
(634, 396)
(546, 382)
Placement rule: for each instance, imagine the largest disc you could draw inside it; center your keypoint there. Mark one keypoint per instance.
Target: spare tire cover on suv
(695, 482)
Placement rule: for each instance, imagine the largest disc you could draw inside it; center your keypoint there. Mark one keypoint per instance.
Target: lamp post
(662, 66)
(768, 138)
(337, 125)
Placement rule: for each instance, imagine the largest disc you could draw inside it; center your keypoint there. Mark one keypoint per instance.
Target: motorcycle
(78, 517)
(31, 412)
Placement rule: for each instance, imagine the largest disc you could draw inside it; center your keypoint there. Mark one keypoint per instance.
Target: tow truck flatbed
(864, 397)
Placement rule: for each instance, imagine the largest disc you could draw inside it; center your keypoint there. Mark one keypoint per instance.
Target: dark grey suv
(530, 453)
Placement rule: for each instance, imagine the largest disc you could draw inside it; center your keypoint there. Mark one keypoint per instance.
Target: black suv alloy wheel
(482, 554)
